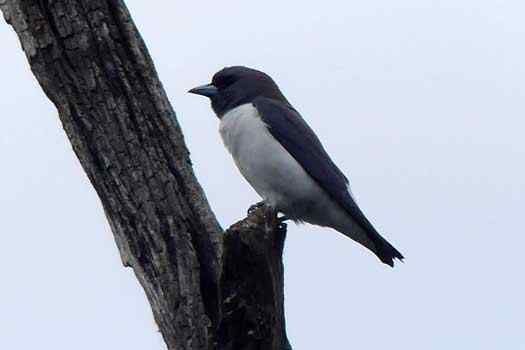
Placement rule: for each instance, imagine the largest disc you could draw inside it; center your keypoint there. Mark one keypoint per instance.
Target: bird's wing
(294, 134)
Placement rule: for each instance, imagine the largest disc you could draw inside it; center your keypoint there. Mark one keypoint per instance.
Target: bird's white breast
(278, 177)
(265, 163)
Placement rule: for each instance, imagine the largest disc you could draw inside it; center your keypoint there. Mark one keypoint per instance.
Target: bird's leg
(273, 221)
(283, 219)
(270, 215)
(281, 222)
(256, 206)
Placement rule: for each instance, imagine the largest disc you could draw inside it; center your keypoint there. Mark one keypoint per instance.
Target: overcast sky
(420, 102)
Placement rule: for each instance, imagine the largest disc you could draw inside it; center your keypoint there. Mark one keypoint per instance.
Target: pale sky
(421, 103)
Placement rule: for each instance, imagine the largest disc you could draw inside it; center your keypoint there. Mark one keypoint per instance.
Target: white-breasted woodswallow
(282, 158)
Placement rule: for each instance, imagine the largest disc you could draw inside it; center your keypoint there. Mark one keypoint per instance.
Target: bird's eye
(224, 81)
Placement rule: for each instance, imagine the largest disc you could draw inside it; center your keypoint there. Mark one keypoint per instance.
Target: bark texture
(252, 285)
(93, 65)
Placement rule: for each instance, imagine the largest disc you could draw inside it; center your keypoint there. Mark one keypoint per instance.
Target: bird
(284, 161)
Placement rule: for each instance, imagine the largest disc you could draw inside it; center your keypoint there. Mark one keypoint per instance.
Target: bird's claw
(281, 223)
(282, 219)
(255, 206)
(273, 220)
(270, 215)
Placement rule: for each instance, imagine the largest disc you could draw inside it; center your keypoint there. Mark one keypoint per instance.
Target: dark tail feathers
(385, 251)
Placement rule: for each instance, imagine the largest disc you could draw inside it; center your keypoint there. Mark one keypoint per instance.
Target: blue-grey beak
(207, 90)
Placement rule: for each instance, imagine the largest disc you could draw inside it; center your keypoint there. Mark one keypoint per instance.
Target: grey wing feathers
(290, 129)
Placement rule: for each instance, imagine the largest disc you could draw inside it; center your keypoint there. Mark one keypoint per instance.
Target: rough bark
(252, 285)
(93, 65)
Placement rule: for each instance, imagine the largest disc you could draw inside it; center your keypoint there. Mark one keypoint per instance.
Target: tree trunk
(252, 285)
(207, 289)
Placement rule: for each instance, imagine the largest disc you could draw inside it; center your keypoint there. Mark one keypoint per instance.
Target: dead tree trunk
(207, 289)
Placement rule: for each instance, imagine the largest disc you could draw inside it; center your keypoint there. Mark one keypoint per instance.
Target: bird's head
(234, 86)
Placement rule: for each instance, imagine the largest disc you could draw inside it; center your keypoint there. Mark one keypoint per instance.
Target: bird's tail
(385, 251)
(372, 240)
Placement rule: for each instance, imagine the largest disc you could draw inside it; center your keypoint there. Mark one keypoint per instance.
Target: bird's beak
(208, 90)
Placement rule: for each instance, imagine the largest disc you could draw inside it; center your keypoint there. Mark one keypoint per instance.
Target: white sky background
(420, 102)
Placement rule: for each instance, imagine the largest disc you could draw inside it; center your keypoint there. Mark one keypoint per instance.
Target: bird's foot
(273, 221)
(270, 216)
(283, 218)
(281, 223)
(256, 206)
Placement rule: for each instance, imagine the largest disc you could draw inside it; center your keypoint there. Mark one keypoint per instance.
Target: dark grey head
(234, 86)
